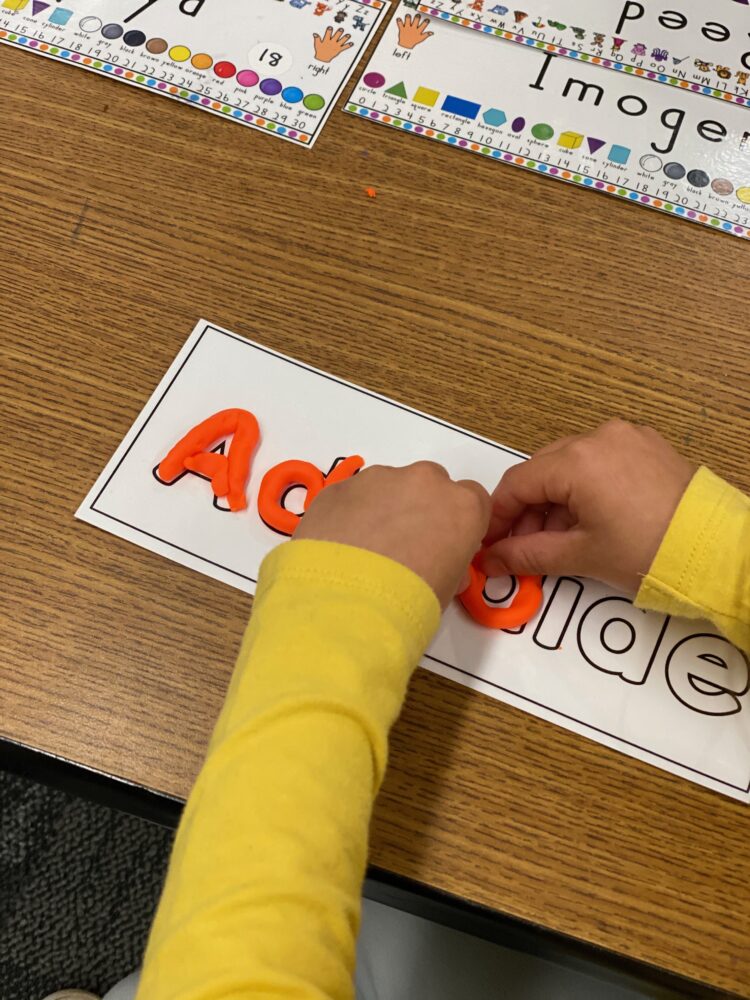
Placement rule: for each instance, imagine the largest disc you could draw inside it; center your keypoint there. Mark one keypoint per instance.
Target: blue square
(619, 154)
(60, 15)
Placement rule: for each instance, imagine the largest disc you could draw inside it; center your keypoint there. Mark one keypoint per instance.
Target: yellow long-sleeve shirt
(262, 896)
(702, 568)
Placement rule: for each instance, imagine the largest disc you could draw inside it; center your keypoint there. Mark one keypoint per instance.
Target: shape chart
(609, 132)
(273, 65)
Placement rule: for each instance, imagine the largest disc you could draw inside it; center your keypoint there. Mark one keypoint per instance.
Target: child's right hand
(595, 505)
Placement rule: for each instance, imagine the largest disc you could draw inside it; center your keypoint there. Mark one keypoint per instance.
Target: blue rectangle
(458, 106)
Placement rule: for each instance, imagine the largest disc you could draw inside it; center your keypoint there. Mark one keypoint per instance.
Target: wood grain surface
(506, 303)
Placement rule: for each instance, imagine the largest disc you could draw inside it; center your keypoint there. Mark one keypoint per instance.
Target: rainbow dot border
(561, 50)
(151, 83)
(568, 176)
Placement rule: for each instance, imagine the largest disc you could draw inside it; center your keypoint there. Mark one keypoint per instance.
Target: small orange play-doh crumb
(371, 192)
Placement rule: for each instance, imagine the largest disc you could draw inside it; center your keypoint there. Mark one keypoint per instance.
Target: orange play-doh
(286, 476)
(521, 609)
(228, 473)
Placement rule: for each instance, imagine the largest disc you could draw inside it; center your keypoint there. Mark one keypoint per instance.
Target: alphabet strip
(690, 46)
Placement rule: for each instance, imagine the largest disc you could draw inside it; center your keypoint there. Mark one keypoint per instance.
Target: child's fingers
(553, 446)
(482, 496)
(542, 480)
(501, 522)
(558, 518)
(531, 521)
(546, 553)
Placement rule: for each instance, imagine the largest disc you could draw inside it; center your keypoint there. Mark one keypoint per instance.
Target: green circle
(485, 149)
(184, 93)
(441, 135)
(628, 69)
(97, 65)
(397, 122)
(543, 131)
(314, 102)
(498, 31)
(673, 81)
(718, 93)
(622, 192)
(540, 45)
(226, 109)
(54, 50)
(584, 57)
(352, 107)
(668, 207)
(140, 79)
(12, 37)
(455, 19)
(531, 163)
(715, 222)
(271, 125)
(577, 178)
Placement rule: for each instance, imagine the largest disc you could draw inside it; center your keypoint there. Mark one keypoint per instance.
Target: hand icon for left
(412, 31)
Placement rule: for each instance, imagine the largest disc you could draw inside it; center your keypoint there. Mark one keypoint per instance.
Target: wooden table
(498, 300)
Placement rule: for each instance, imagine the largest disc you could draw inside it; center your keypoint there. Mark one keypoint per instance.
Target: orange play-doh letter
(228, 473)
(286, 476)
(521, 609)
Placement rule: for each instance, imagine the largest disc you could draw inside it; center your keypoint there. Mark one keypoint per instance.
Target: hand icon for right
(332, 44)
(412, 30)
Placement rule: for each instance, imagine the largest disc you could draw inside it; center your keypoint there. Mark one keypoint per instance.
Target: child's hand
(596, 505)
(416, 515)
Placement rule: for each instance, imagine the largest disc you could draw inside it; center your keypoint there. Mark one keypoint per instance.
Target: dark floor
(79, 884)
(78, 887)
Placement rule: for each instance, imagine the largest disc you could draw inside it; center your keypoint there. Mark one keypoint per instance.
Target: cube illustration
(570, 140)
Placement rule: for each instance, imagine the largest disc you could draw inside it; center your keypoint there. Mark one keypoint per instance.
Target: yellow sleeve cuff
(702, 567)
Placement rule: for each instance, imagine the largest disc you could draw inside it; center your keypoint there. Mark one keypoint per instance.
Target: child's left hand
(416, 515)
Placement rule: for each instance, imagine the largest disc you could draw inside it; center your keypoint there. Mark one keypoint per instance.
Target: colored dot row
(223, 69)
(159, 85)
(696, 177)
(545, 168)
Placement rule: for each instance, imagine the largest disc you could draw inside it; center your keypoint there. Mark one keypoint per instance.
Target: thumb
(543, 553)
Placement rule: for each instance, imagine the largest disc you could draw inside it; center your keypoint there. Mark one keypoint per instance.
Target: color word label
(611, 132)
(693, 47)
(274, 65)
(667, 691)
